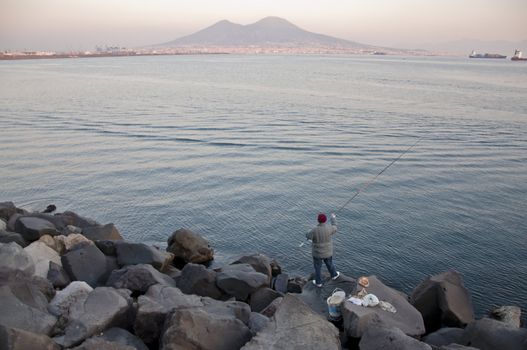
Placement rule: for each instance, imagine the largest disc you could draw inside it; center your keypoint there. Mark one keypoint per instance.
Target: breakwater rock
(69, 282)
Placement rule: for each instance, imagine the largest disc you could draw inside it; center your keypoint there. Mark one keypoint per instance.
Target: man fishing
(323, 247)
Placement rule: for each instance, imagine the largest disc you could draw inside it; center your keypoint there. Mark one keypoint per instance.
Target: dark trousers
(317, 262)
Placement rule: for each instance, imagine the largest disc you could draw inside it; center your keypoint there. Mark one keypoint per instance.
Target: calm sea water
(246, 150)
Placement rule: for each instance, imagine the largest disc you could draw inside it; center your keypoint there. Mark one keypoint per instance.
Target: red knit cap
(322, 218)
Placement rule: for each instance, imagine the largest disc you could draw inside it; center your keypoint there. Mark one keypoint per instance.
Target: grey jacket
(321, 237)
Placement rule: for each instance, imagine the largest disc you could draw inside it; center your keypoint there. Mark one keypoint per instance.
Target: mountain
(270, 31)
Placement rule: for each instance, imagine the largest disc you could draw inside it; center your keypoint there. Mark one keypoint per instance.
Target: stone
(98, 343)
(378, 337)
(240, 280)
(17, 311)
(8, 237)
(195, 328)
(57, 276)
(3, 225)
(487, 334)
(197, 279)
(42, 255)
(18, 339)
(357, 319)
(107, 247)
(139, 253)
(296, 284)
(71, 241)
(87, 264)
(444, 336)
(50, 242)
(270, 310)
(103, 308)
(13, 256)
(122, 336)
(31, 228)
(507, 314)
(276, 269)
(260, 263)
(257, 322)
(281, 282)
(30, 289)
(138, 278)
(155, 305)
(73, 219)
(75, 292)
(12, 221)
(296, 326)
(188, 246)
(443, 301)
(455, 347)
(6, 210)
(106, 232)
(171, 271)
(261, 298)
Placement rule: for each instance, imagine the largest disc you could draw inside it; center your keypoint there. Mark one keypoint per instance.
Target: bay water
(247, 150)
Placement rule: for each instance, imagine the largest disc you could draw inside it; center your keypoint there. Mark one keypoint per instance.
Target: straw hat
(363, 281)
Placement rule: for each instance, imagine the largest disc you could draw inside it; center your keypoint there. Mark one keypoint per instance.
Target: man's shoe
(336, 276)
(318, 285)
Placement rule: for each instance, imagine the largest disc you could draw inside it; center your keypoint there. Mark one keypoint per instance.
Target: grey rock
(296, 284)
(107, 247)
(73, 219)
(18, 312)
(42, 255)
(86, 263)
(240, 280)
(296, 326)
(507, 314)
(138, 278)
(3, 225)
(76, 292)
(270, 310)
(281, 283)
(443, 301)
(6, 210)
(18, 339)
(102, 309)
(122, 336)
(172, 271)
(455, 347)
(98, 343)
(31, 289)
(487, 334)
(357, 319)
(31, 228)
(276, 269)
(444, 336)
(57, 276)
(260, 263)
(188, 246)
(138, 253)
(12, 221)
(376, 337)
(13, 256)
(257, 322)
(261, 298)
(198, 329)
(197, 279)
(106, 232)
(8, 237)
(71, 241)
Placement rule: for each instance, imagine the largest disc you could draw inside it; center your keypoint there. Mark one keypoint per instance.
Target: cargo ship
(518, 56)
(485, 55)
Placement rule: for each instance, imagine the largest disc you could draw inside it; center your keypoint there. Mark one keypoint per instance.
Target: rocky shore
(69, 282)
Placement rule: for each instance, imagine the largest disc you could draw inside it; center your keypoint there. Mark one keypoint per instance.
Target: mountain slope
(270, 31)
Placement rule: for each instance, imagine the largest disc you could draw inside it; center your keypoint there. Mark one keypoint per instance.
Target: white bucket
(334, 301)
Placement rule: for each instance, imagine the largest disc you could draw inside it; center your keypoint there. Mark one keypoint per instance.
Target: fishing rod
(369, 182)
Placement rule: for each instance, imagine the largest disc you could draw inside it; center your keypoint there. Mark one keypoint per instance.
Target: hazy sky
(81, 24)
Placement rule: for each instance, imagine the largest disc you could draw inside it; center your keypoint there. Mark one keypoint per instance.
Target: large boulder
(260, 263)
(87, 263)
(378, 337)
(69, 242)
(18, 339)
(443, 301)
(240, 280)
(13, 256)
(58, 276)
(444, 336)
(8, 237)
(73, 219)
(139, 253)
(42, 255)
(262, 297)
(113, 339)
(281, 282)
(31, 228)
(106, 232)
(357, 318)
(98, 343)
(257, 322)
(6, 210)
(198, 328)
(102, 309)
(296, 326)
(138, 278)
(507, 314)
(489, 334)
(3, 225)
(197, 279)
(74, 293)
(188, 246)
(22, 283)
